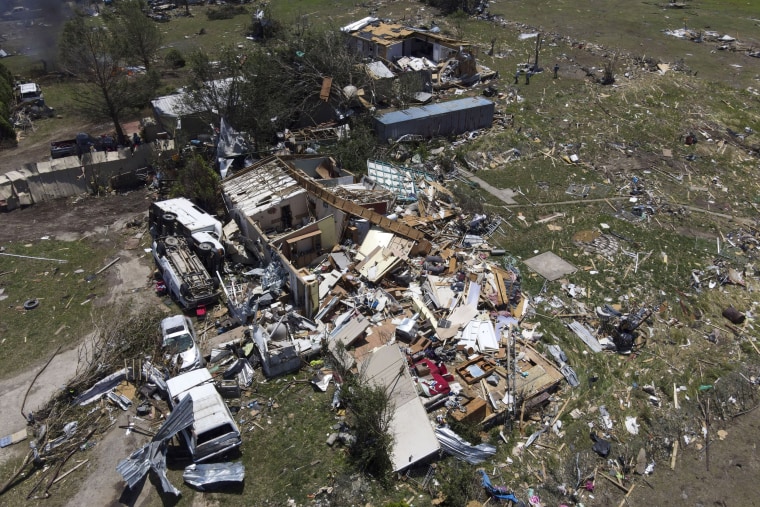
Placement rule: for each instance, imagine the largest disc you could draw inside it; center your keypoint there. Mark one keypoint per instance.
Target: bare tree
(91, 52)
(136, 35)
(217, 86)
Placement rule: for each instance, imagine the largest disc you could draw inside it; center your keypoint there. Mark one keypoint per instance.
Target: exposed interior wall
(271, 219)
(303, 287)
(394, 51)
(329, 233)
(324, 209)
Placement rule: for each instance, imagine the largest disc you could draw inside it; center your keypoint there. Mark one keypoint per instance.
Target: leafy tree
(197, 181)
(370, 410)
(6, 85)
(92, 53)
(217, 86)
(353, 151)
(136, 36)
(459, 484)
(7, 133)
(277, 85)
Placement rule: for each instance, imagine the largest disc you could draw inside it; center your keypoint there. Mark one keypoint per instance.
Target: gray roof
(432, 110)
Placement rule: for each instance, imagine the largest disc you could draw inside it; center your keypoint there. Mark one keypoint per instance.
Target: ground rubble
(469, 338)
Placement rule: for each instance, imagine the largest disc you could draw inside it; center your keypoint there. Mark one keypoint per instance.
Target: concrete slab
(550, 266)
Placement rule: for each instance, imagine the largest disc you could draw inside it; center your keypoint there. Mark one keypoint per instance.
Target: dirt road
(104, 218)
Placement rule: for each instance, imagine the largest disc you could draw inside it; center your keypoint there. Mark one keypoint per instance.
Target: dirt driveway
(130, 284)
(72, 218)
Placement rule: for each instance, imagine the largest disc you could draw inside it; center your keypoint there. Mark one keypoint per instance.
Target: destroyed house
(191, 114)
(293, 210)
(174, 112)
(441, 119)
(374, 38)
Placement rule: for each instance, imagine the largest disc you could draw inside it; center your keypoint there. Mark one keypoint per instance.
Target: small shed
(442, 119)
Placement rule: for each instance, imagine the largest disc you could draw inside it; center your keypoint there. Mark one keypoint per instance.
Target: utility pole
(538, 47)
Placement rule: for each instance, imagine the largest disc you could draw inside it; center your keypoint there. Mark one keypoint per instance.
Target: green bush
(174, 59)
(225, 12)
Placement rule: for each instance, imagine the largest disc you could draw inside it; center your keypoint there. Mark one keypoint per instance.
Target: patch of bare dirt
(73, 218)
(730, 479)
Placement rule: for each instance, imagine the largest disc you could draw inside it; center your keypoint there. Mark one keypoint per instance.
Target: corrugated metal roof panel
(261, 186)
(433, 110)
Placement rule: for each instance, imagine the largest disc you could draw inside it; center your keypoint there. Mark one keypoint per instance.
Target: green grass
(61, 317)
(285, 453)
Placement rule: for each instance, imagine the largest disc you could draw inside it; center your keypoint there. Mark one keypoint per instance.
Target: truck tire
(171, 241)
(206, 251)
(31, 304)
(184, 290)
(168, 222)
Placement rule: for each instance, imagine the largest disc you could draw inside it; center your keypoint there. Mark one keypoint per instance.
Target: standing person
(517, 75)
(556, 70)
(527, 76)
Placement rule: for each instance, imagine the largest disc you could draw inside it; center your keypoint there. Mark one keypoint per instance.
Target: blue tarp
(499, 492)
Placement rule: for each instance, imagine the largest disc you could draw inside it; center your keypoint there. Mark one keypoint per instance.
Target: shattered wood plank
(583, 333)
(314, 188)
(324, 93)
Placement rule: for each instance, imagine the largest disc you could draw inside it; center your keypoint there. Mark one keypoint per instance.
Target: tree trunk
(114, 115)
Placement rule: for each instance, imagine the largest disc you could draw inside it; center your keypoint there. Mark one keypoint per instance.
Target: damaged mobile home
(441, 62)
(362, 263)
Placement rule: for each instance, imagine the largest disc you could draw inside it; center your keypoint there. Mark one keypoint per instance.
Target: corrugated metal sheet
(153, 454)
(68, 176)
(461, 449)
(201, 476)
(6, 188)
(446, 118)
(60, 177)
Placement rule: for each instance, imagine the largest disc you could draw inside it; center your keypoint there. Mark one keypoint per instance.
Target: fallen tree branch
(35, 379)
(5, 487)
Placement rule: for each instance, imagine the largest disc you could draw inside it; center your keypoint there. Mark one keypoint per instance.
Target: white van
(179, 216)
(213, 431)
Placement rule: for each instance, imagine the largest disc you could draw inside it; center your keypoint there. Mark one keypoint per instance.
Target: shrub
(225, 12)
(174, 59)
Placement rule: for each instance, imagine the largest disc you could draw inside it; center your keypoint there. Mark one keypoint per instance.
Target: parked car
(180, 344)
(213, 432)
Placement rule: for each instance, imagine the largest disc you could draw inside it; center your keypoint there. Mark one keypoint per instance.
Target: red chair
(200, 312)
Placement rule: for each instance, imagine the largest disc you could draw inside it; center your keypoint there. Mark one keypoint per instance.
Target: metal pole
(35, 258)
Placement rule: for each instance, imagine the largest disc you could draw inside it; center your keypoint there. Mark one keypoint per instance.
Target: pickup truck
(81, 144)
